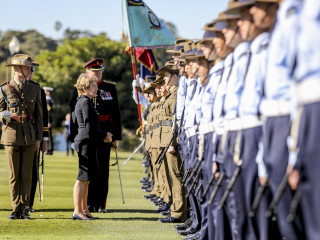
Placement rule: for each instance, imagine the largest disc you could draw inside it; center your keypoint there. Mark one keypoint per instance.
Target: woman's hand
(108, 138)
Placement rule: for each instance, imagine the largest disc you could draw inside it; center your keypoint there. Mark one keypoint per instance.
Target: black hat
(94, 65)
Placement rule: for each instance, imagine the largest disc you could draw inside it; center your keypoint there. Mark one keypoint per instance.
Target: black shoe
(160, 204)
(25, 214)
(102, 210)
(76, 217)
(146, 186)
(185, 225)
(170, 219)
(153, 198)
(14, 215)
(157, 200)
(165, 213)
(91, 218)
(144, 179)
(194, 236)
(31, 209)
(189, 231)
(148, 196)
(148, 189)
(163, 208)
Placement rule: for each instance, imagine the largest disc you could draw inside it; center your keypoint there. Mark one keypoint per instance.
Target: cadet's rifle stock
(207, 188)
(198, 189)
(231, 183)
(272, 207)
(185, 175)
(216, 188)
(294, 205)
(257, 200)
(192, 173)
(194, 183)
(163, 153)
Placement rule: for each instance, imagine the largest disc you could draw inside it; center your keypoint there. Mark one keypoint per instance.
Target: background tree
(57, 27)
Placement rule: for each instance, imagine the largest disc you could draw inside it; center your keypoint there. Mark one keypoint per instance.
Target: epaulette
(291, 11)
(110, 82)
(33, 82)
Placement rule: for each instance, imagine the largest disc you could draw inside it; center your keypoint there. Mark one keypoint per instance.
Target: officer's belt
(166, 123)
(307, 91)
(23, 118)
(274, 108)
(104, 118)
(206, 127)
(191, 131)
(155, 126)
(250, 121)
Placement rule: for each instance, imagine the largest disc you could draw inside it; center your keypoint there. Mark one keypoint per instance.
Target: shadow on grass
(130, 211)
(102, 219)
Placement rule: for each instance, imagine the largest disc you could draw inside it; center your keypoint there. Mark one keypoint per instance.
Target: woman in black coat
(85, 143)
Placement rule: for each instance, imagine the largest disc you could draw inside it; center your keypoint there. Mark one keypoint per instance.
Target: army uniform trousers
(20, 161)
(179, 201)
(156, 186)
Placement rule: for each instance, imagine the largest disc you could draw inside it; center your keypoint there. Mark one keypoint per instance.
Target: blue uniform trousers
(309, 166)
(276, 160)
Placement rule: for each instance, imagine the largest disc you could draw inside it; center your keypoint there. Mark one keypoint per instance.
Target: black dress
(88, 137)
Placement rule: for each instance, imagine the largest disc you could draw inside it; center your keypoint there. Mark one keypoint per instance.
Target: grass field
(136, 219)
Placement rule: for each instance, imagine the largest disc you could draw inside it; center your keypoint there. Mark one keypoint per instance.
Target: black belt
(166, 123)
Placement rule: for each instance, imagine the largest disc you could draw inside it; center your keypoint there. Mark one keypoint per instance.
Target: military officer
(21, 131)
(109, 114)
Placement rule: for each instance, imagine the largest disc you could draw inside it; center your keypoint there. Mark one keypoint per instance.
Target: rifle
(194, 183)
(216, 188)
(207, 188)
(238, 162)
(272, 207)
(185, 176)
(198, 189)
(257, 200)
(38, 178)
(200, 158)
(164, 151)
(294, 205)
(181, 167)
(134, 152)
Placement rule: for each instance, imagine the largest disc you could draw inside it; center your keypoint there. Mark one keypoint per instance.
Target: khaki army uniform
(173, 160)
(19, 136)
(163, 187)
(148, 131)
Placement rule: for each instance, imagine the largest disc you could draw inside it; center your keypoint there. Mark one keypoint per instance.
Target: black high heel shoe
(76, 217)
(91, 218)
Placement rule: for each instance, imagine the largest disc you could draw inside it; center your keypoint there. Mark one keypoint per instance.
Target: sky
(189, 16)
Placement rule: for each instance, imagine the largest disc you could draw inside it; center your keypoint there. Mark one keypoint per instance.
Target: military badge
(137, 3)
(105, 95)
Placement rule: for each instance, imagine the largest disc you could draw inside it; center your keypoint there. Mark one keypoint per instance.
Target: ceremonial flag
(146, 30)
(147, 60)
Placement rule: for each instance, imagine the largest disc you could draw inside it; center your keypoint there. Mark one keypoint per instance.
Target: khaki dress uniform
(173, 160)
(163, 188)
(19, 136)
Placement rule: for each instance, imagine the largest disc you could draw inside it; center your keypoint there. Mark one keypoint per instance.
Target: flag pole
(134, 64)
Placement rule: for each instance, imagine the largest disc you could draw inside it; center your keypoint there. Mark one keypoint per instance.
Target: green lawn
(136, 219)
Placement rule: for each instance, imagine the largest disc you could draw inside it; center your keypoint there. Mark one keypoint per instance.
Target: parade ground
(136, 219)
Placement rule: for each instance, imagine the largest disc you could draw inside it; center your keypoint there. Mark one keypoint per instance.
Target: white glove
(141, 82)
(135, 84)
(6, 115)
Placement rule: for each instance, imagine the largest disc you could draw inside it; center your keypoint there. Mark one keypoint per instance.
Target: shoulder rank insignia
(110, 82)
(291, 11)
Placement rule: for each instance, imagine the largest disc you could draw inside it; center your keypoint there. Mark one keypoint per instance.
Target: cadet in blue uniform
(276, 107)
(307, 75)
